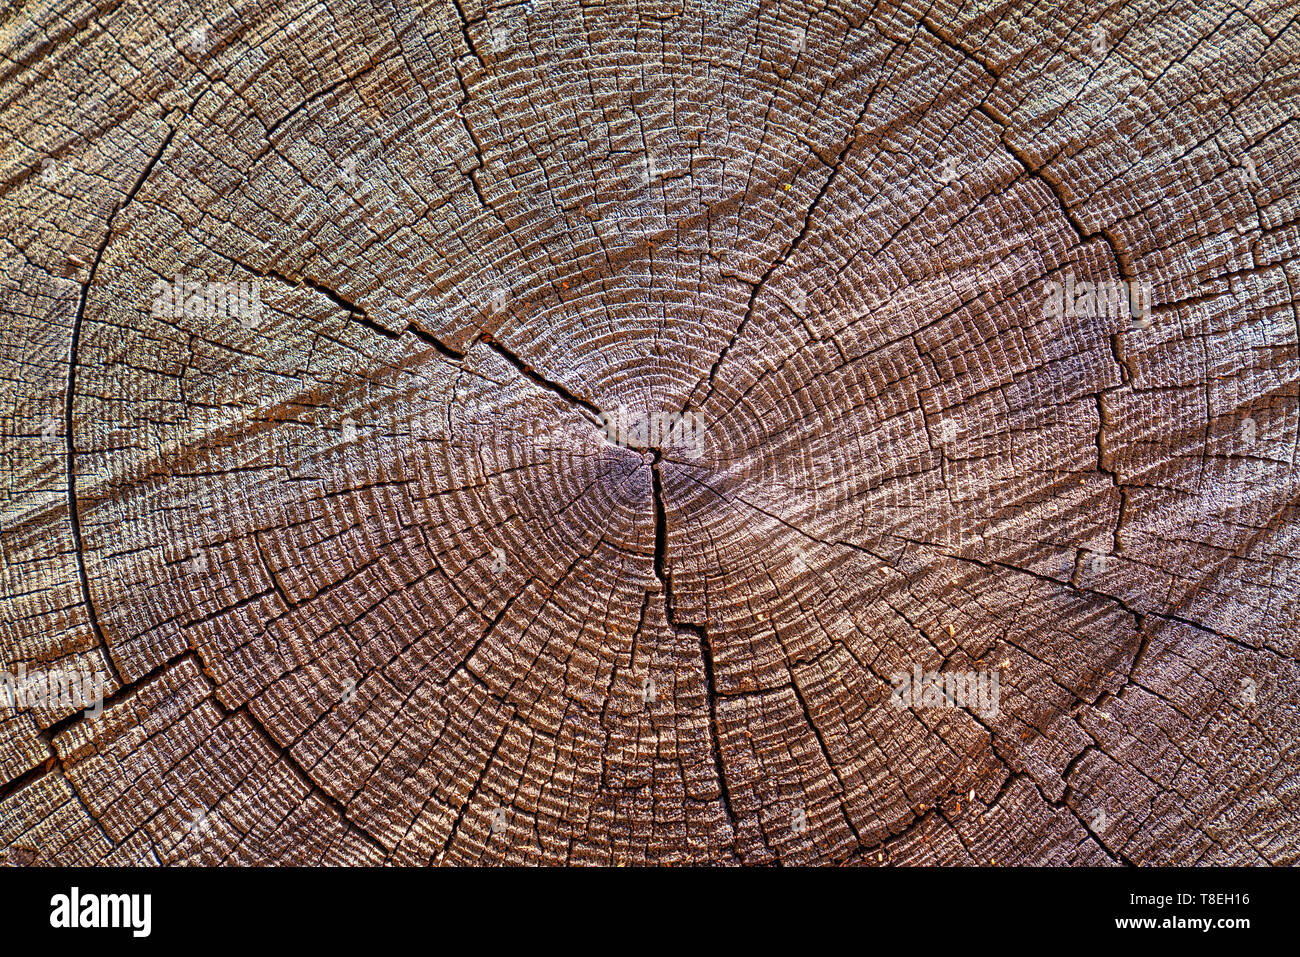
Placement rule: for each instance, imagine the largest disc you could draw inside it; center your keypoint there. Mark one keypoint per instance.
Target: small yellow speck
(787, 187)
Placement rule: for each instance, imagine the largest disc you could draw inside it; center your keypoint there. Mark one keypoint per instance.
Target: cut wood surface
(344, 530)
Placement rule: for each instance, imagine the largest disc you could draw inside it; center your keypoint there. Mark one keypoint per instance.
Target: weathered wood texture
(366, 581)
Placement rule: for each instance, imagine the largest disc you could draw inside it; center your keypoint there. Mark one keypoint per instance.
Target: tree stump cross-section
(673, 432)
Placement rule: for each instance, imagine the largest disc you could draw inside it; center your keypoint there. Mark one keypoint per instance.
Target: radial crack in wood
(665, 433)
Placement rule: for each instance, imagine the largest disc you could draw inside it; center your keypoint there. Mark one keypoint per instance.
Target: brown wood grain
(367, 582)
